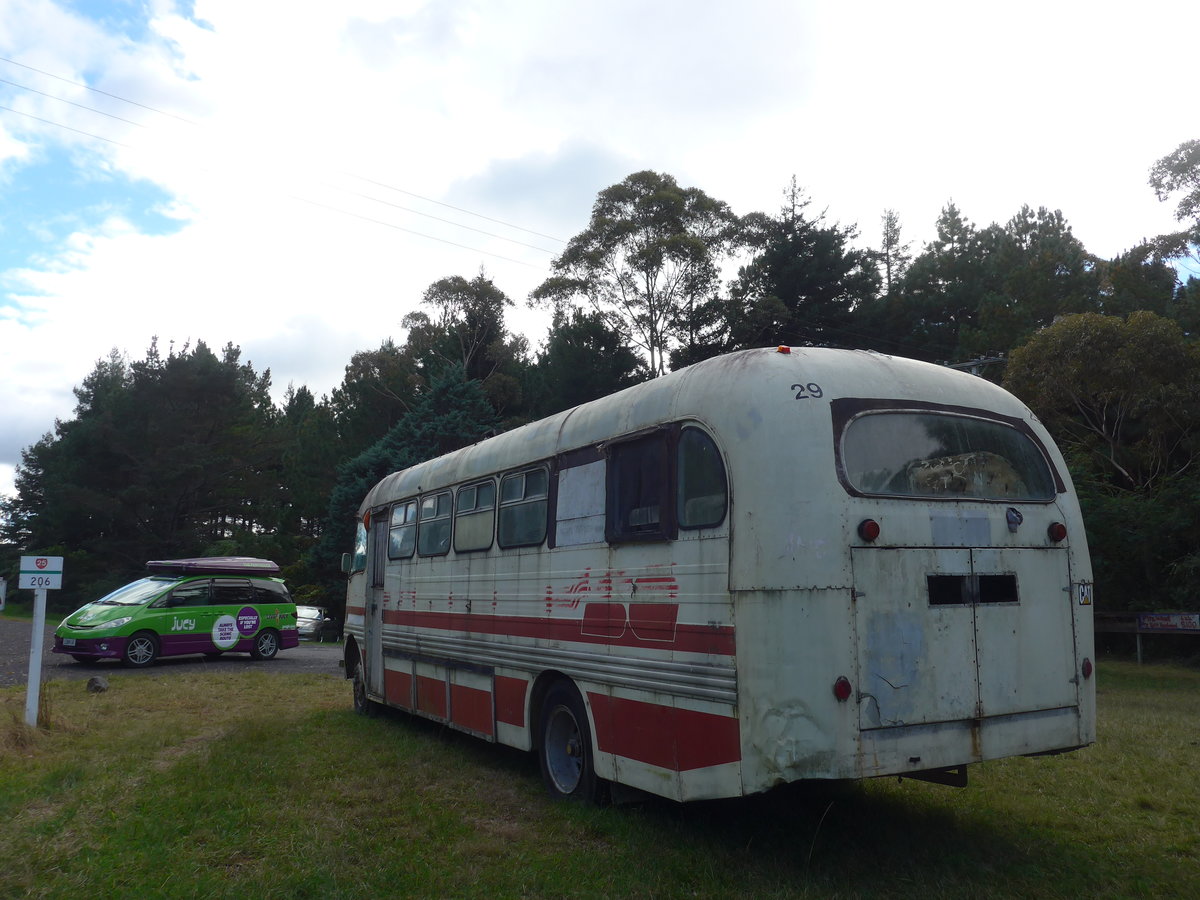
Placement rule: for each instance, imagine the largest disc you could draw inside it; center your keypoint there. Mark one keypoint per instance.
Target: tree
(311, 452)
(1033, 269)
(1136, 279)
(893, 254)
(1124, 394)
(940, 293)
(165, 456)
(803, 283)
(374, 395)
(1122, 399)
(583, 359)
(1179, 171)
(650, 253)
(469, 331)
(452, 413)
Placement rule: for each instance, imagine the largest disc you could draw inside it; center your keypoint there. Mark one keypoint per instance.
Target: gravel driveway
(14, 659)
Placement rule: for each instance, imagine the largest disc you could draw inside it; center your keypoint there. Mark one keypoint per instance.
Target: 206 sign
(41, 573)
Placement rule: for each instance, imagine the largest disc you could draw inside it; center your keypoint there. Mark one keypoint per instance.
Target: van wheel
(565, 747)
(140, 650)
(266, 645)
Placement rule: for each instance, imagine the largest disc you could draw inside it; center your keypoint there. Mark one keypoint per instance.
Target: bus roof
(736, 391)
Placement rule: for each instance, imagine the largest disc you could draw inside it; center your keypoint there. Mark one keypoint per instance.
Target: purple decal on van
(247, 620)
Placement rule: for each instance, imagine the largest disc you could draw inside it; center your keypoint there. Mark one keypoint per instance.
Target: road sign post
(39, 574)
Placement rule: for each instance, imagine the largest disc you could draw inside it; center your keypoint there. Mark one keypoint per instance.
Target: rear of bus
(972, 587)
(909, 570)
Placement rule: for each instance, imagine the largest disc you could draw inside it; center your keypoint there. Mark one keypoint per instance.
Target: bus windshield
(941, 456)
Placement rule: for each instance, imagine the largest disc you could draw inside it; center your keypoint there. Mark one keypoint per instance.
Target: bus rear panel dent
(686, 569)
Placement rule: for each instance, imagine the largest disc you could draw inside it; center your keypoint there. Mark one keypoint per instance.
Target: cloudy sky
(290, 177)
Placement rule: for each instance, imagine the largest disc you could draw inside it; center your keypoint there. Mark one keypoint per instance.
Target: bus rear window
(941, 456)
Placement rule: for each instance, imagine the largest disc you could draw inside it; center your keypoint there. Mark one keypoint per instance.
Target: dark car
(315, 624)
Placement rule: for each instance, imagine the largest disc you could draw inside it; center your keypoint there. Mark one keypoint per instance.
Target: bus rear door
(950, 634)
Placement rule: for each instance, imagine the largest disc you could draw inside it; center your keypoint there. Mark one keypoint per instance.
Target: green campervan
(215, 605)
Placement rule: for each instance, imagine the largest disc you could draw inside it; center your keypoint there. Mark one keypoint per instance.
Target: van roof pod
(213, 565)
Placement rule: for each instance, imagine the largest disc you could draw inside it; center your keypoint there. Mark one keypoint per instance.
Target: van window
(271, 592)
(523, 508)
(232, 592)
(433, 533)
(941, 456)
(475, 517)
(190, 593)
(702, 487)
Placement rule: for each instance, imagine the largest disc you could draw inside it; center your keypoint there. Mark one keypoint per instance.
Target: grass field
(261, 785)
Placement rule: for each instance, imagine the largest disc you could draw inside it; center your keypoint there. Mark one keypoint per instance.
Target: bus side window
(433, 532)
(702, 492)
(523, 508)
(402, 539)
(475, 517)
(639, 504)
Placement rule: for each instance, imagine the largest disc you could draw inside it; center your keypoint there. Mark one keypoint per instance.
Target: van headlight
(116, 623)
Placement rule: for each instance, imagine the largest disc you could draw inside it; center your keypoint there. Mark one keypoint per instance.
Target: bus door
(377, 556)
(946, 634)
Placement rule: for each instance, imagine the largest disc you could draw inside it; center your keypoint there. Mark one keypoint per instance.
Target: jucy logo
(183, 624)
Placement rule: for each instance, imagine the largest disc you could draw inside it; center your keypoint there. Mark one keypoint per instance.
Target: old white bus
(778, 564)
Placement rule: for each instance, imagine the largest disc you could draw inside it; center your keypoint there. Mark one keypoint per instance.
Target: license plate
(68, 642)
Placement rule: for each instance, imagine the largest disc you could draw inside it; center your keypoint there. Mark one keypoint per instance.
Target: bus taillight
(1087, 667)
(842, 689)
(1056, 532)
(868, 530)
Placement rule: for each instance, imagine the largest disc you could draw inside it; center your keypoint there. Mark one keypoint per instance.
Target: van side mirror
(345, 563)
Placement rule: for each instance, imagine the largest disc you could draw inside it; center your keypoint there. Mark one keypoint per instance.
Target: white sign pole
(39, 574)
(33, 688)
(3, 593)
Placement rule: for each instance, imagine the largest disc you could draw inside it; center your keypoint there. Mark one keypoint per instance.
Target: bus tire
(266, 645)
(565, 747)
(140, 650)
(363, 705)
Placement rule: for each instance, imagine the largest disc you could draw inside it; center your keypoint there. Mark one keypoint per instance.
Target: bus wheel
(140, 650)
(362, 705)
(266, 645)
(565, 746)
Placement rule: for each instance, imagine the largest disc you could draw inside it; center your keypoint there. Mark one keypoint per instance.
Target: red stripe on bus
(710, 639)
(431, 696)
(510, 700)
(471, 708)
(397, 688)
(664, 736)
(356, 610)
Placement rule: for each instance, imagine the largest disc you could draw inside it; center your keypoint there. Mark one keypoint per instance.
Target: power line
(330, 207)
(372, 181)
(66, 127)
(101, 112)
(96, 90)
(389, 187)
